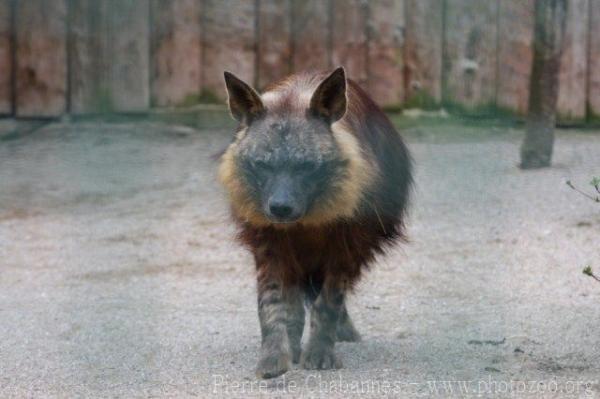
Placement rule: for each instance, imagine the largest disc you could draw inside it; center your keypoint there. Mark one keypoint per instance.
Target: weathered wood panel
(130, 37)
(515, 55)
(386, 51)
(176, 51)
(120, 60)
(594, 61)
(423, 50)
(470, 64)
(228, 43)
(109, 56)
(349, 36)
(89, 57)
(41, 57)
(5, 58)
(274, 41)
(311, 35)
(573, 69)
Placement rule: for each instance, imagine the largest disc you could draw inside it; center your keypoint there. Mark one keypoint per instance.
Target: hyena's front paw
(319, 357)
(272, 364)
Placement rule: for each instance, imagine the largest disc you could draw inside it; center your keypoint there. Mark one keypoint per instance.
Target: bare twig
(588, 272)
(596, 199)
(596, 183)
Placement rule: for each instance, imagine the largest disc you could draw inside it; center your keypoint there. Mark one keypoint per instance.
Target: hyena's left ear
(329, 100)
(244, 102)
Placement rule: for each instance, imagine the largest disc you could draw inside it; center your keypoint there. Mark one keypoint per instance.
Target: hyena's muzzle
(284, 200)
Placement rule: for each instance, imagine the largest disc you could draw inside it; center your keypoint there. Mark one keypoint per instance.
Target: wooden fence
(90, 56)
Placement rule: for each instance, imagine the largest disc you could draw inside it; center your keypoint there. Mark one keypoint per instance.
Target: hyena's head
(289, 163)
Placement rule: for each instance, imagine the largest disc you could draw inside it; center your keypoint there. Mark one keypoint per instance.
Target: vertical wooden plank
(470, 51)
(594, 61)
(89, 57)
(229, 37)
(274, 39)
(349, 35)
(109, 56)
(41, 57)
(423, 52)
(386, 83)
(130, 38)
(5, 58)
(176, 53)
(311, 39)
(573, 69)
(515, 54)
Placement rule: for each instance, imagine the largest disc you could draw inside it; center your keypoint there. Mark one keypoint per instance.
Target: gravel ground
(119, 276)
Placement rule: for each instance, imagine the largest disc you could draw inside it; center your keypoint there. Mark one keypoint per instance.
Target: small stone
(492, 370)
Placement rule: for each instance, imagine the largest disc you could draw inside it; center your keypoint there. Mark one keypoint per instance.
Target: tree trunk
(550, 20)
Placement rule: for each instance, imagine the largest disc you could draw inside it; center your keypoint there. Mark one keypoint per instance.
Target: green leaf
(588, 271)
(595, 181)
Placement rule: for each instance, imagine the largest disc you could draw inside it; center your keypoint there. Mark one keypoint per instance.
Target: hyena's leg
(345, 328)
(295, 320)
(275, 350)
(324, 317)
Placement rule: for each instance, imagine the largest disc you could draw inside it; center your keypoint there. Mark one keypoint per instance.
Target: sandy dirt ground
(119, 276)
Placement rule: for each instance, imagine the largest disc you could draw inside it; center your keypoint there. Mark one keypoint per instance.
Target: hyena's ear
(244, 102)
(329, 100)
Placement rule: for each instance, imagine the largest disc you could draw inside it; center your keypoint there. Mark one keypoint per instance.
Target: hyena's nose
(284, 203)
(280, 210)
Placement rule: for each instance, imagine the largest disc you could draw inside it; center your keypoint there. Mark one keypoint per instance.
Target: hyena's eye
(306, 167)
(262, 166)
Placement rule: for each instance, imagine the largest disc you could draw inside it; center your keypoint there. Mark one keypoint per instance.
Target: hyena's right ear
(329, 99)
(244, 102)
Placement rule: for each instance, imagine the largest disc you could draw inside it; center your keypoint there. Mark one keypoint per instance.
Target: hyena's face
(286, 163)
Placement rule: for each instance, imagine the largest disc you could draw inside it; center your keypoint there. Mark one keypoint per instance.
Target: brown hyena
(318, 180)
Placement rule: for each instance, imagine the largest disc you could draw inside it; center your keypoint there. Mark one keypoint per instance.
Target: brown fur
(337, 234)
(323, 254)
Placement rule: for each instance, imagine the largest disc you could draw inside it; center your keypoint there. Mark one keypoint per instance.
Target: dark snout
(284, 202)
